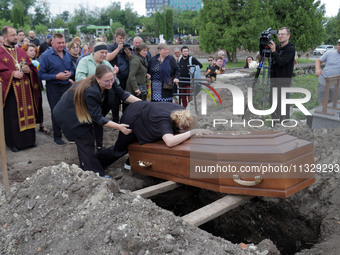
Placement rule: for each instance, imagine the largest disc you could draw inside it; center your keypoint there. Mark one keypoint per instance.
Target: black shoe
(44, 130)
(127, 165)
(15, 149)
(59, 141)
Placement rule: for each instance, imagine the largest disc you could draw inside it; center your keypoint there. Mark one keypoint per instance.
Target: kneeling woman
(85, 103)
(151, 122)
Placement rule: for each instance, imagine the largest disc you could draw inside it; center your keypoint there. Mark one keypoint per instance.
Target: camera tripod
(265, 55)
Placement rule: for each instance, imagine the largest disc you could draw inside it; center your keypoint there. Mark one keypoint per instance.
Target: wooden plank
(156, 189)
(215, 209)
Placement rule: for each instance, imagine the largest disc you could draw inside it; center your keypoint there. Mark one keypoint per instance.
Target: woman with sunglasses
(85, 103)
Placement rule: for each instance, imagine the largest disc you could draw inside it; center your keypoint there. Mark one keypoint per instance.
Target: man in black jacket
(283, 56)
(183, 63)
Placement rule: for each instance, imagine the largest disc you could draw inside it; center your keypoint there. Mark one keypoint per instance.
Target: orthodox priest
(20, 92)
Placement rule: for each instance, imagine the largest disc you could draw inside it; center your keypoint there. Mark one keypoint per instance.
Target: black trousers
(279, 83)
(117, 102)
(99, 132)
(54, 93)
(86, 153)
(108, 156)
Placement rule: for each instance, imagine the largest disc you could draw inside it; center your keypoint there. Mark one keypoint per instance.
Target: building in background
(152, 6)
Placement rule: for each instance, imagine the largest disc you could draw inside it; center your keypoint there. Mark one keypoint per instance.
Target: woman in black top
(151, 122)
(87, 102)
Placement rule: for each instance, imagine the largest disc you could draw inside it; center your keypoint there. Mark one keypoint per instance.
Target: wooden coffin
(259, 163)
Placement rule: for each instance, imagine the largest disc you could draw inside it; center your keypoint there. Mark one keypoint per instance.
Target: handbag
(169, 84)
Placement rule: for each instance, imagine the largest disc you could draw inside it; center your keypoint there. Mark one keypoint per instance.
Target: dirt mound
(64, 210)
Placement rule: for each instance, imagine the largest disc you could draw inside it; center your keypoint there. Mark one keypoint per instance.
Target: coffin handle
(144, 164)
(237, 179)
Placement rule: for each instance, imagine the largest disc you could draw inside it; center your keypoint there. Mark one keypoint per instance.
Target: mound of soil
(61, 209)
(64, 210)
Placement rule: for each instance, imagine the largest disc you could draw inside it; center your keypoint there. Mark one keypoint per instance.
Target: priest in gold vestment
(20, 92)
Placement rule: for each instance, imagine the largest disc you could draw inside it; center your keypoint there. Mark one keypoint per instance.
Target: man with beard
(20, 90)
(33, 39)
(183, 63)
(21, 38)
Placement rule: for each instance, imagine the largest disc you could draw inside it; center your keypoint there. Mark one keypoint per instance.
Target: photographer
(136, 83)
(282, 68)
(119, 55)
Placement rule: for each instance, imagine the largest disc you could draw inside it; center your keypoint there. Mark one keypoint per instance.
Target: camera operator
(119, 54)
(282, 68)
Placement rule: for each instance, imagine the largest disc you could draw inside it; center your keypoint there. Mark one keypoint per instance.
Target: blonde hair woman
(151, 122)
(85, 103)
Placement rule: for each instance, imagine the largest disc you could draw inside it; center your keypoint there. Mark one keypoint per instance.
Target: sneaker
(59, 141)
(127, 165)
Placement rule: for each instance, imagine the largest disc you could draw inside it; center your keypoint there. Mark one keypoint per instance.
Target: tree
(65, 16)
(58, 23)
(41, 29)
(337, 30)
(158, 21)
(169, 17)
(4, 22)
(148, 23)
(5, 12)
(226, 24)
(331, 36)
(27, 4)
(185, 21)
(305, 20)
(127, 17)
(162, 25)
(18, 14)
(42, 13)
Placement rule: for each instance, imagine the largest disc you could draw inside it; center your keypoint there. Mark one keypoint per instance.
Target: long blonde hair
(184, 119)
(82, 111)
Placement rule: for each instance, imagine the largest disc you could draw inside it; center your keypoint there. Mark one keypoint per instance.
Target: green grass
(309, 82)
(303, 60)
(240, 64)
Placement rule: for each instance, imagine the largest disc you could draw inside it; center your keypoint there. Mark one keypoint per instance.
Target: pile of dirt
(64, 210)
(61, 209)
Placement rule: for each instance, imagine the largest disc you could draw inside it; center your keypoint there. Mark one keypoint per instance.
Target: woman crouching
(85, 103)
(151, 122)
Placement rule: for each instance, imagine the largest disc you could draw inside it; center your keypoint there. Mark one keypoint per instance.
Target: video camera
(127, 45)
(265, 38)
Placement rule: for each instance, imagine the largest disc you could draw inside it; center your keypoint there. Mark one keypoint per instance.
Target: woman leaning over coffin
(151, 122)
(85, 103)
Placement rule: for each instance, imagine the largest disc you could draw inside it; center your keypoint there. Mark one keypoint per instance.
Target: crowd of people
(84, 82)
